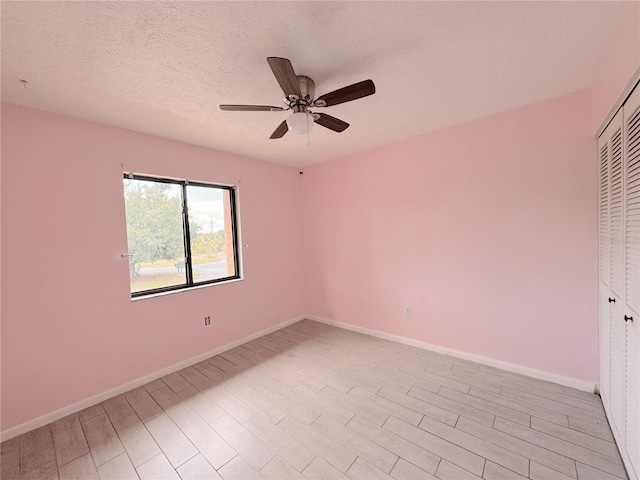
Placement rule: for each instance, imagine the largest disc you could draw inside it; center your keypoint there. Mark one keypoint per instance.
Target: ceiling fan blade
(286, 76)
(280, 131)
(332, 123)
(251, 108)
(346, 94)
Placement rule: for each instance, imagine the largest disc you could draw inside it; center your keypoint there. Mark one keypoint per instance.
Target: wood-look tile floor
(318, 402)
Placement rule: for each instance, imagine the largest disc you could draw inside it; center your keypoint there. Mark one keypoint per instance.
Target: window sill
(187, 289)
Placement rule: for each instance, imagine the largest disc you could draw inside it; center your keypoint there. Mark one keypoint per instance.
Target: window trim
(235, 233)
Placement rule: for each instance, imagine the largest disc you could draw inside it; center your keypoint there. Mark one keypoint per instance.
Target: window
(180, 234)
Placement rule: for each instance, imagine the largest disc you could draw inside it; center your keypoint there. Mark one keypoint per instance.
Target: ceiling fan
(299, 92)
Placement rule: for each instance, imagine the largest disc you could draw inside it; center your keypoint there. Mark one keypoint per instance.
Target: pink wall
(486, 229)
(618, 65)
(69, 328)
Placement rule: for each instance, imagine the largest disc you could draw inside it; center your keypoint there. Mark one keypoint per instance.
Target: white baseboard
(88, 402)
(101, 397)
(511, 367)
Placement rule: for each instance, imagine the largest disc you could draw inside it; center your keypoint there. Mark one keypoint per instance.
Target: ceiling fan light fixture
(300, 123)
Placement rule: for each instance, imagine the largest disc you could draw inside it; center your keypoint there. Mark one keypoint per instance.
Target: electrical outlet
(407, 311)
(207, 320)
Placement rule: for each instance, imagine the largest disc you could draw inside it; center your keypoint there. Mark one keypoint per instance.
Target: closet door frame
(631, 314)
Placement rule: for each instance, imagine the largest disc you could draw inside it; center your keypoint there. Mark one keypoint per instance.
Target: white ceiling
(164, 67)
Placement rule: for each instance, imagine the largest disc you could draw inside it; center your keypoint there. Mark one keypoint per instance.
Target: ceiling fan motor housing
(307, 90)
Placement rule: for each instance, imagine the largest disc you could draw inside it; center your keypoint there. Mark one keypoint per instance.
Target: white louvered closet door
(604, 263)
(603, 217)
(631, 435)
(613, 137)
(616, 196)
(619, 295)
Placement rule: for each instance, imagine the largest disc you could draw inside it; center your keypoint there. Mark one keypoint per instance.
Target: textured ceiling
(164, 67)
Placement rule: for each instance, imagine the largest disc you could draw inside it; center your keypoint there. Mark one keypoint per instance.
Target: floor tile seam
(394, 463)
(579, 394)
(524, 386)
(124, 395)
(114, 431)
(278, 444)
(524, 457)
(144, 425)
(484, 408)
(318, 431)
(53, 440)
(526, 406)
(573, 460)
(75, 458)
(208, 424)
(128, 457)
(55, 455)
(241, 433)
(615, 457)
(173, 389)
(430, 381)
(469, 449)
(314, 451)
(227, 462)
(349, 468)
(257, 469)
(243, 404)
(591, 407)
(531, 445)
(315, 455)
(461, 404)
(516, 383)
(552, 468)
(397, 405)
(160, 446)
(560, 405)
(4, 468)
(551, 387)
(530, 415)
(437, 381)
(147, 461)
(158, 379)
(608, 428)
(350, 449)
(515, 375)
(600, 470)
(431, 451)
(442, 373)
(437, 466)
(398, 436)
(586, 452)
